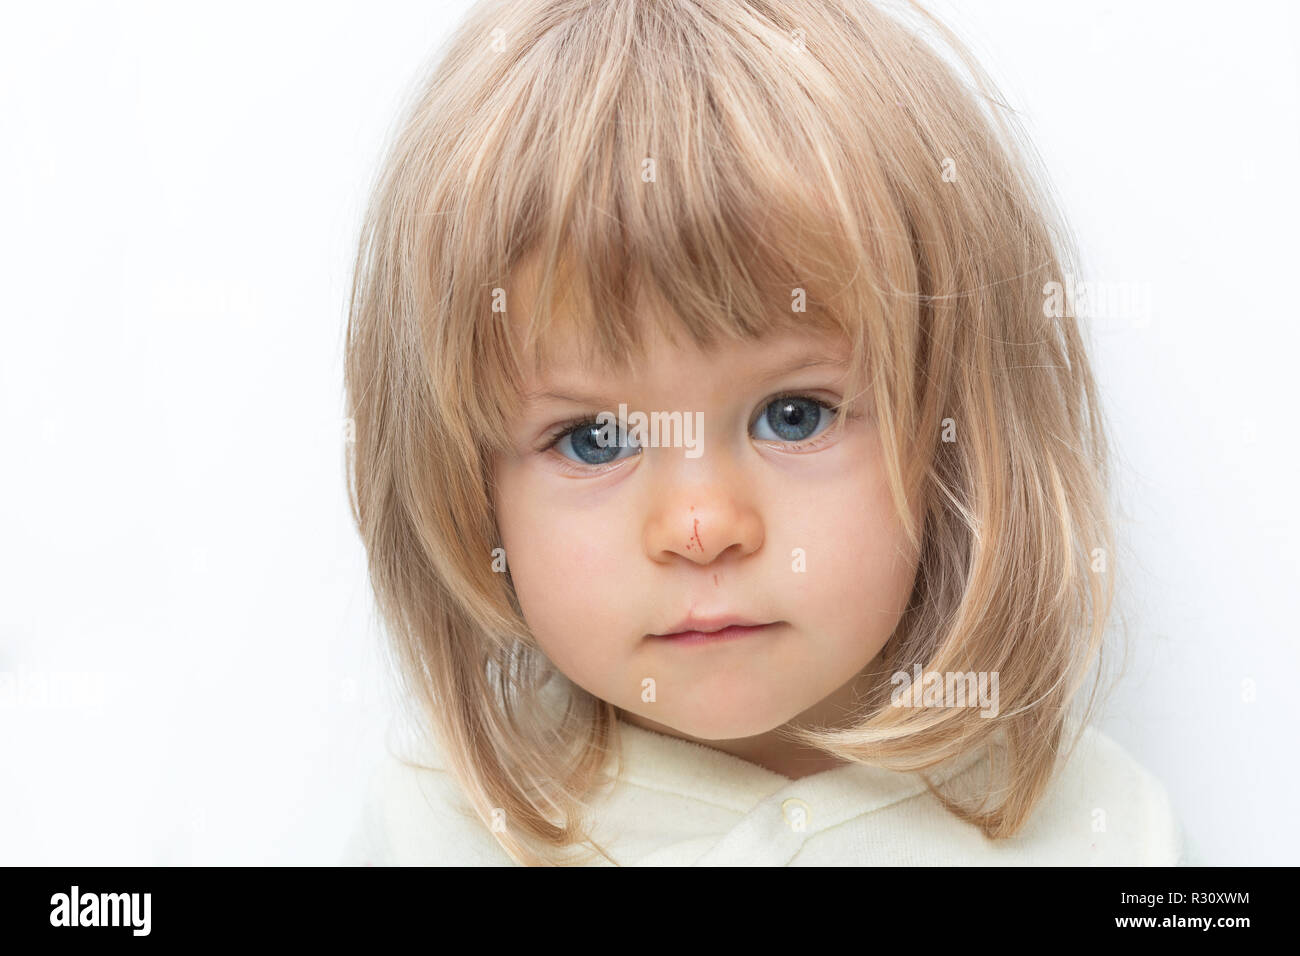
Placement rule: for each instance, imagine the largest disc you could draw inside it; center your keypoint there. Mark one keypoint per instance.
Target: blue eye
(588, 442)
(794, 418)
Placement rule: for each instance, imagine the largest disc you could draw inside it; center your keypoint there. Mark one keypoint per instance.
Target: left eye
(794, 418)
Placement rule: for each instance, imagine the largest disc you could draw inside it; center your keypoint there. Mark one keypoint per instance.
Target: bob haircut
(720, 155)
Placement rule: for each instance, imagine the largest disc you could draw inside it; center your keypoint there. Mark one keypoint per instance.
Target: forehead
(566, 328)
(573, 338)
(564, 356)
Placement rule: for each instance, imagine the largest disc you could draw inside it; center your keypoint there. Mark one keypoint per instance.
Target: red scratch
(715, 580)
(696, 535)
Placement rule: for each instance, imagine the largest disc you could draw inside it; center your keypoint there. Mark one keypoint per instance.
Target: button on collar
(797, 814)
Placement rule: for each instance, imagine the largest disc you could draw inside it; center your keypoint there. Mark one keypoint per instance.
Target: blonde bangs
(718, 195)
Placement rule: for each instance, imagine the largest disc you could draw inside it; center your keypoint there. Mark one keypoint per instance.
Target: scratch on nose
(695, 535)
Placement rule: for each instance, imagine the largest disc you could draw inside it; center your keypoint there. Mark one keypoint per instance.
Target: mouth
(709, 631)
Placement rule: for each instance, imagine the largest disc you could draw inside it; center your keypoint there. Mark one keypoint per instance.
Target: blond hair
(719, 155)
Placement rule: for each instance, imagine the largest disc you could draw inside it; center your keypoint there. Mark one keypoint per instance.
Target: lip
(712, 637)
(700, 630)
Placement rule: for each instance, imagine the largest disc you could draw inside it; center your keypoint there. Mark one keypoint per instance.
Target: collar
(666, 764)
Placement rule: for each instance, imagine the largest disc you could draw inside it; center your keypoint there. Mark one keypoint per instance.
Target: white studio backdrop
(188, 645)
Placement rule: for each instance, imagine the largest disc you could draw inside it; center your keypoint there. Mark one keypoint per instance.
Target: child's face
(605, 554)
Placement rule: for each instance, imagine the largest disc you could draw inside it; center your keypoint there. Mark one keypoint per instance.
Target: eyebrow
(760, 374)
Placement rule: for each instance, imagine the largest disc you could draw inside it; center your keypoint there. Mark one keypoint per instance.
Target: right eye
(590, 444)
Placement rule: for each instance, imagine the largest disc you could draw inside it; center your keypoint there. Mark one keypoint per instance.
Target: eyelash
(564, 428)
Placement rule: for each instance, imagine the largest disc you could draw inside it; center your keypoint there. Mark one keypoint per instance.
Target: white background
(180, 191)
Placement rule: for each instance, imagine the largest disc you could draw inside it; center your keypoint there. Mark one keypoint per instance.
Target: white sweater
(682, 803)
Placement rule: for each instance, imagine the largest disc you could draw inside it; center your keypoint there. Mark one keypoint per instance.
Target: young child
(732, 490)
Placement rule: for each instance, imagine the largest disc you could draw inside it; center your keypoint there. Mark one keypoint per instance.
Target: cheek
(567, 572)
(860, 569)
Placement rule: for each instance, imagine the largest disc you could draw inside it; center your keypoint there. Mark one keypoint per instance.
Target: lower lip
(713, 637)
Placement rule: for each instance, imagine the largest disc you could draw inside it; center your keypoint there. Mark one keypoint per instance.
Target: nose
(701, 522)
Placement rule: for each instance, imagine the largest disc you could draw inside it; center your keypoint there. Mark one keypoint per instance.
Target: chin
(720, 722)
